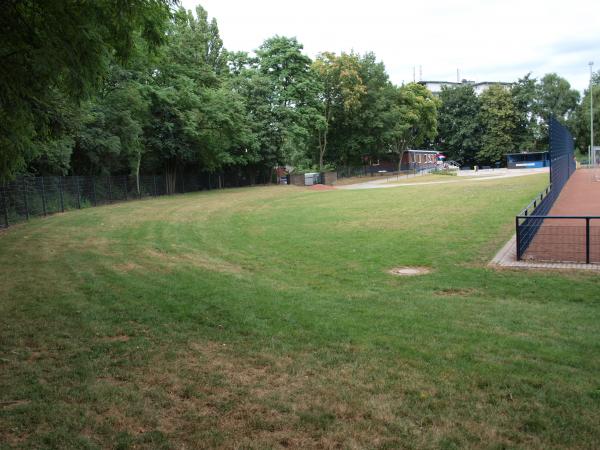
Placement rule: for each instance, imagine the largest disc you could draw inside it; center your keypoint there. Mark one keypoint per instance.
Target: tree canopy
(55, 52)
(143, 86)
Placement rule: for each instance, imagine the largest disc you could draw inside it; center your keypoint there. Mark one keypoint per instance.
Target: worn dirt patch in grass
(126, 267)
(457, 292)
(409, 271)
(210, 396)
(321, 187)
(198, 260)
(10, 404)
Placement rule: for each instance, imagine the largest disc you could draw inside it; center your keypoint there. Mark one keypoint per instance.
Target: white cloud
(486, 40)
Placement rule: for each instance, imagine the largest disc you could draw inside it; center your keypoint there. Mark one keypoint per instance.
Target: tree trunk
(137, 173)
(322, 147)
(170, 177)
(399, 160)
(323, 136)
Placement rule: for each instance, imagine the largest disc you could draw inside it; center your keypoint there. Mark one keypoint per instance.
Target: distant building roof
(467, 82)
(438, 82)
(503, 83)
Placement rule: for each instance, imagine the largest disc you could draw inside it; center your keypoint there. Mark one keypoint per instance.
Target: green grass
(265, 317)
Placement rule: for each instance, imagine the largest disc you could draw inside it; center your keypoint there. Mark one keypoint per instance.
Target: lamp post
(592, 160)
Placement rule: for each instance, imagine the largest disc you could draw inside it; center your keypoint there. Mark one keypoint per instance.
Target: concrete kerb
(507, 258)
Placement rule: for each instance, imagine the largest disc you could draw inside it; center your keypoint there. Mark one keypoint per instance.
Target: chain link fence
(27, 197)
(556, 238)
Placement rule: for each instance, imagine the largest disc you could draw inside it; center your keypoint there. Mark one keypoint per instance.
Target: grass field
(265, 318)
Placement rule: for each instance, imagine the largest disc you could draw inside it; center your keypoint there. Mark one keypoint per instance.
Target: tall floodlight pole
(592, 153)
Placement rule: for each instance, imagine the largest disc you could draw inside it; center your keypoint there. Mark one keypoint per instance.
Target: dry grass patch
(117, 338)
(198, 260)
(209, 396)
(457, 292)
(126, 267)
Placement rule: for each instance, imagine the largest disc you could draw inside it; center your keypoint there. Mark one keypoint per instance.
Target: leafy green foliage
(556, 98)
(528, 132)
(60, 47)
(358, 134)
(194, 117)
(413, 118)
(498, 117)
(458, 123)
(102, 88)
(582, 119)
(290, 96)
(341, 90)
(110, 138)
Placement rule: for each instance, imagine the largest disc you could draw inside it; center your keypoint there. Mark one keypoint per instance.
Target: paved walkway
(486, 175)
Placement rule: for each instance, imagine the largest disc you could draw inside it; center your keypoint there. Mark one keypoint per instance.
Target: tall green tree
(527, 133)
(195, 117)
(458, 124)
(414, 118)
(499, 119)
(357, 134)
(110, 138)
(341, 90)
(65, 47)
(581, 122)
(556, 98)
(292, 96)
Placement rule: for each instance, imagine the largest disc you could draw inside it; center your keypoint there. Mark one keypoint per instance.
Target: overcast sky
(485, 40)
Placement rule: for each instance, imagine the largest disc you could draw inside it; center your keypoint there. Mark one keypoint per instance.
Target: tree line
(142, 86)
(482, 129)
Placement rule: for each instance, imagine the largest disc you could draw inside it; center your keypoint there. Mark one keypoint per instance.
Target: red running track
(564, 239)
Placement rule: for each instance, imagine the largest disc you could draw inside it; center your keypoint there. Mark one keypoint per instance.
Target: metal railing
(389, 171)
(559, 238)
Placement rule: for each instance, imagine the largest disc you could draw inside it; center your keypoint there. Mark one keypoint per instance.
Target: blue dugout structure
(527, 160)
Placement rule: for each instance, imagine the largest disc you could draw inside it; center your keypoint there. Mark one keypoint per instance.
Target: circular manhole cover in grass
(409, 271)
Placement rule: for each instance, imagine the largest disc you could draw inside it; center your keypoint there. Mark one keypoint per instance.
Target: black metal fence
(28, 197)
(374, 171)
(574, 239)
(533, 217)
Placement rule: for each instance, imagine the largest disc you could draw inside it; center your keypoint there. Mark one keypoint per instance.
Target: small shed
(418, 159)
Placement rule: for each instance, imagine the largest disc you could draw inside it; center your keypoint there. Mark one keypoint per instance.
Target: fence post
(43, 197)
(4, 205)
(78, 192)
(126, 186)
(94, 191)
(587, 240)
(24, 187)
(154, 181)
(109, 191)
(518, 238)
(61, 194)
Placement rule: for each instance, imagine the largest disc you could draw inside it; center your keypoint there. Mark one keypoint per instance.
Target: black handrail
(558, 217)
